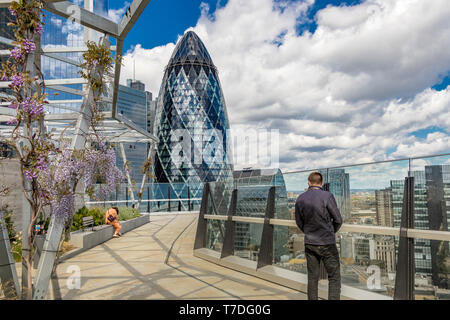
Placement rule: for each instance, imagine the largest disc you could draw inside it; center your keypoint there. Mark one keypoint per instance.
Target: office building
(385, 214)
(438, 204)
(191, 122)
(339, 182)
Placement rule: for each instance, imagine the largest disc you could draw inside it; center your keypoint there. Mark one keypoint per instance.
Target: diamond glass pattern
(191, 99)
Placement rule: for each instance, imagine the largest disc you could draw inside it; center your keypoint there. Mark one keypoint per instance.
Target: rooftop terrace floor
(137, 266)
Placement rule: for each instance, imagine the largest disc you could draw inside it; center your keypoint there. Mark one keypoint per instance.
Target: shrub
(125, 213)
(96, 213)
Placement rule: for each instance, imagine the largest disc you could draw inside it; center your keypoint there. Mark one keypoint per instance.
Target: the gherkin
(191, 121)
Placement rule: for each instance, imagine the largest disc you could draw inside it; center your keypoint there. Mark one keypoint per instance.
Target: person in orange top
(112, 218)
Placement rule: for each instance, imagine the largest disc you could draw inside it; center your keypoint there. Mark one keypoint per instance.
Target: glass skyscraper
(191, 121)
(132, 104)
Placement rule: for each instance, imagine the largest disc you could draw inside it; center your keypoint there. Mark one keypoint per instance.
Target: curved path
(155, 261)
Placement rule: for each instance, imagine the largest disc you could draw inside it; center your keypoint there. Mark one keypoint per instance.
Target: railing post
(265, 255)
(228, 241)
(200, 236)
(168, 197)
(148, 198)
(189, 199)
(404, 279)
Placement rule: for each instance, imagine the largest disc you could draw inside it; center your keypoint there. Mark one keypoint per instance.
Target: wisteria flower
(28, 45)
(13, 105)
(17, 80)
(16, 53)
(30, 174)
(12, 121)
(4, 78)
(31, 107)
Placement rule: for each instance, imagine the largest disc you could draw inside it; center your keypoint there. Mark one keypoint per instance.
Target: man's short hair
(315, 178)
(117, 209)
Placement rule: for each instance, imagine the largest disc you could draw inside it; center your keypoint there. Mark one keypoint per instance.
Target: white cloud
(116, 14)
(347, 93)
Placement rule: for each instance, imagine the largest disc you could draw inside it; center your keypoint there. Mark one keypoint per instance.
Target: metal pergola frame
(116, 127)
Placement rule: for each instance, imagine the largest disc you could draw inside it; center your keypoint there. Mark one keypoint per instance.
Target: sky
(344, 82)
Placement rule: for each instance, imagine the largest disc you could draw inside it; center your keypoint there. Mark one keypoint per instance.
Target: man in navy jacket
(318, 217)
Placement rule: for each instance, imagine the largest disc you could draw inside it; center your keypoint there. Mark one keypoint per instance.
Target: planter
(85, 240)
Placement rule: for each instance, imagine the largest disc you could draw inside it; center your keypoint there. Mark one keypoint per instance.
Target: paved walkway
(137, 266)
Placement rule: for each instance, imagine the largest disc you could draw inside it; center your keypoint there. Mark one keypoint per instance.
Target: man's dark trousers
(330, 257)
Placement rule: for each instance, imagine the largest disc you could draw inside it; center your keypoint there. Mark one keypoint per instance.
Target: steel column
(127, 172)
(200, 235)
(8, 274)
(265, 255)
(48, 256)
(228, 241)
(404, 279)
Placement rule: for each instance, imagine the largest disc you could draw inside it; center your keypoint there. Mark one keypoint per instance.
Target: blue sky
(163, 20)
(371, 85)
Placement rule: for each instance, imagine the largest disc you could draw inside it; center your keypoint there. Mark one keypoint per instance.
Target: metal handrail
(354, 228)
(368, 163)
(148, 200)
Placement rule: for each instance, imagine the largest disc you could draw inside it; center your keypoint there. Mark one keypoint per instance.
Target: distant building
(385, 252)
(438, 205)
(339, 182)
(385, 214)
(422, 251)
(132, 103)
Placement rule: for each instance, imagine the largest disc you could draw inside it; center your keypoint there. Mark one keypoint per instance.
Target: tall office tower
(385, 214)
(422, 250)
(191, 122)
(340, 187)
(132, 102)
(438, 203)
(60, 33)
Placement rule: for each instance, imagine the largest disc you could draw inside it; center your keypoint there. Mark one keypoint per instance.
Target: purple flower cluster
(13, 105)
(33, 108)
(28, 45)
(64, 207)
(12, 12)
(16, 53)
(102, 164)
(12, 121)
(17, 80)
(31, 174)
(41, 164)
(4, 78)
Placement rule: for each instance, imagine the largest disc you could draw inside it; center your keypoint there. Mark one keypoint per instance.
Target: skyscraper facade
(339, 182)
(438, 204)
(385, 214)
(132, 104)
(422, 252)
(191, 121)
